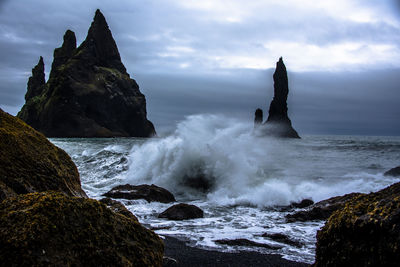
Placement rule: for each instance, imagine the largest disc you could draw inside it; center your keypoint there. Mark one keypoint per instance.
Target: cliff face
(89, 93)
(278, 123)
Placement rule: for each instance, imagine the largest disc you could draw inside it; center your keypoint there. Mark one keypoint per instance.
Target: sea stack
(278, 123)
(89, 93)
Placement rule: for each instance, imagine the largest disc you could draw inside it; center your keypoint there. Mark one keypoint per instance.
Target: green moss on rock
(366, 232)
(49, 228)
(30, 163)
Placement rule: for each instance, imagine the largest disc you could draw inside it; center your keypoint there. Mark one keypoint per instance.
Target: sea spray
(240, 168)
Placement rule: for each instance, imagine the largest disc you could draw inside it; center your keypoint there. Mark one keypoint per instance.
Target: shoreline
(193, 256)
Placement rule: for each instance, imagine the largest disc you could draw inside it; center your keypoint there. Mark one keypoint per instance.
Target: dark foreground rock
(321, 210)
(30, 163)
(196, 257)
(365, 232)
(118, 207)
(278, 123)
(245, 243)
(89, 93)
(151, 193)
(395, 172)
(281, 238)
(51, 229)
(182, 212)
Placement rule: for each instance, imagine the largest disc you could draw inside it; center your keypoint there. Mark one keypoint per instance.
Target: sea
(251, 177)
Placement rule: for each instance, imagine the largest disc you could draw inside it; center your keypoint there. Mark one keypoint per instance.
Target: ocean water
(249, 177)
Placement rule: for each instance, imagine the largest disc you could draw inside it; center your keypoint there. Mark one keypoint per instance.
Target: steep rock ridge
(89, 93)
(30, 163)
(37, 81)
(278, 123)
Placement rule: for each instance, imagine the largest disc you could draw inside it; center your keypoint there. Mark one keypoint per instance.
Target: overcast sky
(210, 56)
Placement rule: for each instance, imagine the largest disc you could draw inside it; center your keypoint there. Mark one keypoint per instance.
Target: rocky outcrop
(37, 81)
(118, 207)
(366, 232)
(151, 193)
(321, 210)
(258, 117)
(281, 238)
(51, 229)
(395, 172)
(182, 212)
(89, 93)
(278, 123)
(30, 163)
(242, 242)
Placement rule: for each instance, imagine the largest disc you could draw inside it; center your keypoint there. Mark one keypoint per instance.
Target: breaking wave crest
(219, 158)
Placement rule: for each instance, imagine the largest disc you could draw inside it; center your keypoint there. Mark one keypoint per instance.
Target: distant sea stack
(278, 123)
(89, 93)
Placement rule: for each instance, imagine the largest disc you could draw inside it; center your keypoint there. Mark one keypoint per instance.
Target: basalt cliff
(89, 92)
(278, 123)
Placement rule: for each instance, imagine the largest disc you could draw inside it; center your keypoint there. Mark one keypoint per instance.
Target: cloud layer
(216, 56)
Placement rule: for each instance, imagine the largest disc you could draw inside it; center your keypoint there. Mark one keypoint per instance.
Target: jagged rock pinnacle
(278, 123)
(63, 53)
(36, 81)
(258, 117)
(101, 45)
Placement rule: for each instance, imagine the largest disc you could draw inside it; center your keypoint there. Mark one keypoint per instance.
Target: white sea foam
(246, 169)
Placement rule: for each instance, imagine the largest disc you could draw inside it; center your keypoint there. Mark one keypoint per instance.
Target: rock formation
(89, 93)
(182, 211)
(151, 193)
(52, 229)
(395, 172)
(258, 117)
(365, 232)
(278, 123)
(30, 163)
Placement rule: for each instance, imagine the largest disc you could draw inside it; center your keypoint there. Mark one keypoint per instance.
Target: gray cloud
(191, 60)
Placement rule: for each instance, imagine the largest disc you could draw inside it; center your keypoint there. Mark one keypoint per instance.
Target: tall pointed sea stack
(278, 123)
(89, 93)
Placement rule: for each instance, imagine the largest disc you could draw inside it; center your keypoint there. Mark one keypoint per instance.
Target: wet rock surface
(321, 210)
(182, 212)
(281, 238)
(52, 229)
(151, 193)
(395, 172)
(365, 232)
(245, 243)
(30, 163)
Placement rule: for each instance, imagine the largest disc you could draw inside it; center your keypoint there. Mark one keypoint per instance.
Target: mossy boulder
(52, 229)
(366, 232)
(30, 163)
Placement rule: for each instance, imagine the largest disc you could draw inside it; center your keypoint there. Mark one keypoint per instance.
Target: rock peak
(64, 53)
(36, 81)
(278, 123)
(101, 45)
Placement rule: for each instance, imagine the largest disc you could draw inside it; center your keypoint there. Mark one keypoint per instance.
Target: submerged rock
(30, 163)
(182, 212)
(365, 232)
(51, 229)
(278, 123)
(395, 172)
(281, 238)
(321, 210)
(245, 243)
(151, 193)
(302, 204)
(89, 93)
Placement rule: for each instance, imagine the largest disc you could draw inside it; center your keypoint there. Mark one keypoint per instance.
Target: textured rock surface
(281, 238)
(118, 207)
(395, 172)
(148, 192)
(89, 93)
(37, 81)
(278, 123)
(182, 212)
(366, 232)
(51, 229)
(321, 210)
(30, 163)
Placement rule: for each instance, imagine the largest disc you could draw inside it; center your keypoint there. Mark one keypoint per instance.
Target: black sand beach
(191, 256)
